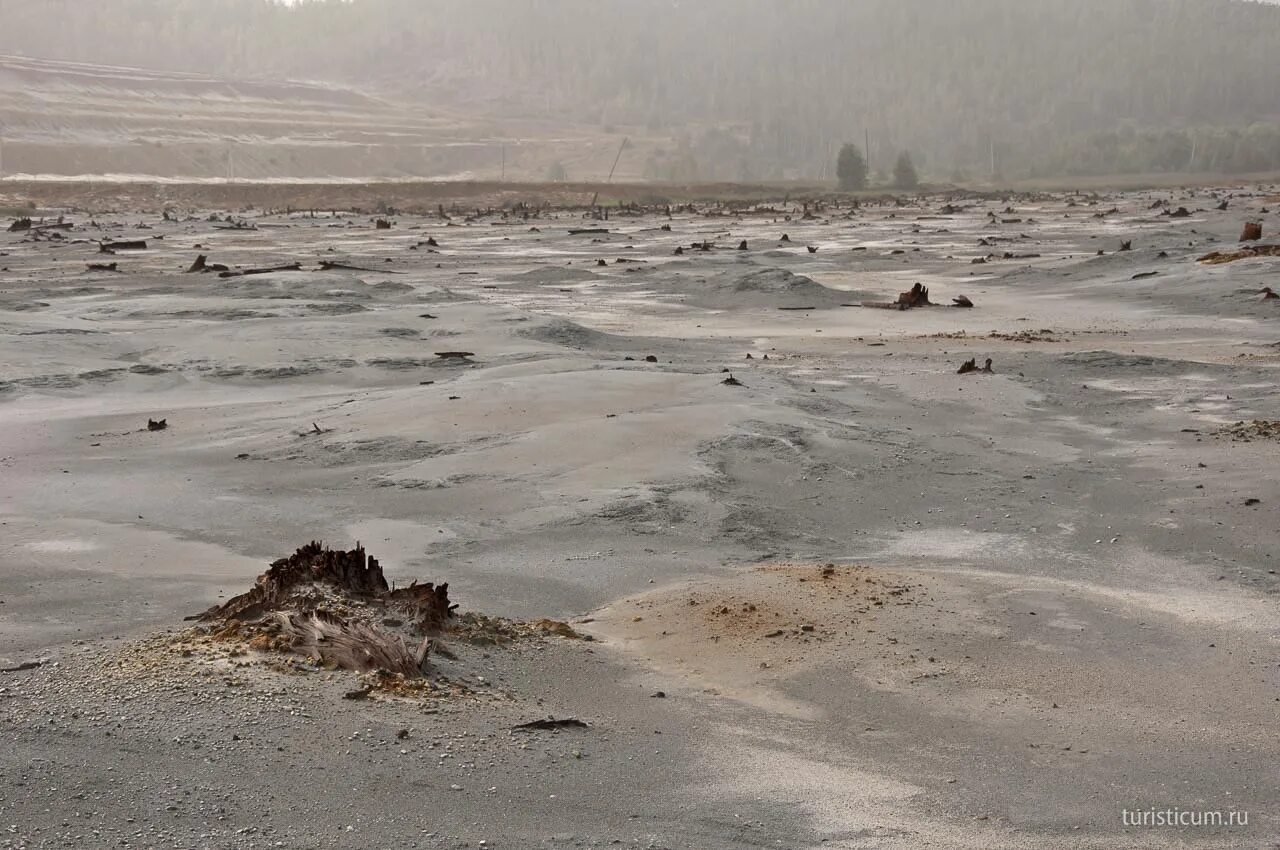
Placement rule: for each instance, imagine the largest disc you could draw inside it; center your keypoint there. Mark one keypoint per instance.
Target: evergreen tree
(851, 168)
(904, 172)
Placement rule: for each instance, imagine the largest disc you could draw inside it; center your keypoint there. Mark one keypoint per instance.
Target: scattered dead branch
(112, 247)
(551, 723)
(328, 266)
(291, 267)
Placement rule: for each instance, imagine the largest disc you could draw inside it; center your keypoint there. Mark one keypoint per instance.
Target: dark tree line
(755, 89)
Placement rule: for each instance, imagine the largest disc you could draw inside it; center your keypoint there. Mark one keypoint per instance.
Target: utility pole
(993, 156)
(503, 178)
(866, 141)
(231, 162)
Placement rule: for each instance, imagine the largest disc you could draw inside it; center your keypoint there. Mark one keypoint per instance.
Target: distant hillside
(71, 119)
(754, 89)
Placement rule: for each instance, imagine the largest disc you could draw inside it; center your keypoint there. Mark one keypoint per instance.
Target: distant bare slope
(68, 119)
(746, 89)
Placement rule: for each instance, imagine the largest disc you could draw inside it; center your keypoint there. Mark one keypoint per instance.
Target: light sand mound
(548, 276)
(759, 288)
(573, 335)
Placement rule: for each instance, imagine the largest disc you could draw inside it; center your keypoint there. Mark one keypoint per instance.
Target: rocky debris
(1042, 335)
(732, 382)
(20, 225)
(157, 424)
(1252, 231)
(1248, 431)
(459, 356)
(961, 301)
(103, 267)
(1248, 252)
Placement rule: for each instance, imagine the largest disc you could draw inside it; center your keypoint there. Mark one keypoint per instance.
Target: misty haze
(639, 423)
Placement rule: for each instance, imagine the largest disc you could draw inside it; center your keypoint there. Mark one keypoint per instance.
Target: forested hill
(758, 88)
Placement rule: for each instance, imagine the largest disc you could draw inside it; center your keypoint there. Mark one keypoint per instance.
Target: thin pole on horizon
(503, 178)
(621, 148)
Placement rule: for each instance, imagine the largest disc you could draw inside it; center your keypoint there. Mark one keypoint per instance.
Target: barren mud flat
(722, 523)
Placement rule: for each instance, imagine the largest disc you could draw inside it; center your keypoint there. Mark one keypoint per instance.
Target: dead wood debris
(328, 605)
(551, 723)
(112, 247)
(291, 267)
(26, 665)
(917, 296)
(328, 266)
(971, 365)
(324, 608)
(202, 264)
